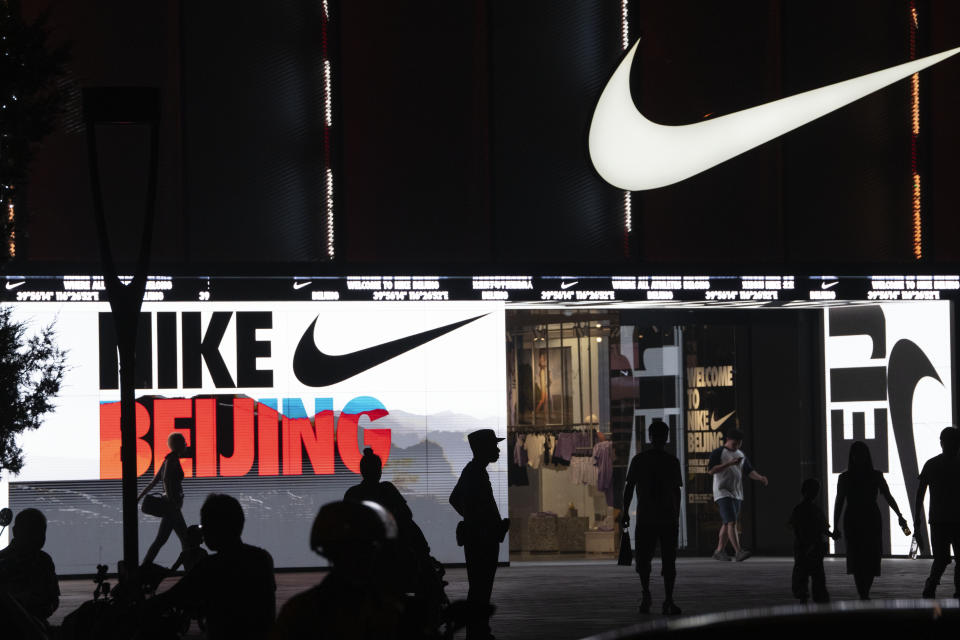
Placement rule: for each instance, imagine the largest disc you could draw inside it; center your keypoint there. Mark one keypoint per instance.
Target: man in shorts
(656, 475)
(728, 465)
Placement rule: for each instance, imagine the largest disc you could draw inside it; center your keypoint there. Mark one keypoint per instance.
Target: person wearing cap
(728, 465)
(482, 529)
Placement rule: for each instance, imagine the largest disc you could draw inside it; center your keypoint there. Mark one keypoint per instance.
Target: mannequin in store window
(543, 384)
(656, 476)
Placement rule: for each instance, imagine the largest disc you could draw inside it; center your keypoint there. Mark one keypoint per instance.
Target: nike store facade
(278, 386)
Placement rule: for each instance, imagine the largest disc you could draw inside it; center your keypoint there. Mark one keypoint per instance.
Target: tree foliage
(31, 372)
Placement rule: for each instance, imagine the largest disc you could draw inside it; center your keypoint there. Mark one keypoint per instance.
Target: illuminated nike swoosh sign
(635, 154)
(315, 368)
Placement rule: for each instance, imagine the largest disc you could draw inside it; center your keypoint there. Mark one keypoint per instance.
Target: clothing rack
(554, 428)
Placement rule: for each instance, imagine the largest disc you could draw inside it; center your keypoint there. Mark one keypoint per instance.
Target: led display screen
(276, 401)
(889, 383)
(278, 385)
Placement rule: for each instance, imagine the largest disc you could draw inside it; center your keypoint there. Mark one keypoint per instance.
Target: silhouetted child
(810, 530)
(192, 552)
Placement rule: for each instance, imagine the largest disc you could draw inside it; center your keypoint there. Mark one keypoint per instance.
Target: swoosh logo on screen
(633, 153)
(908, 365)
(315, 368)
(14, 285)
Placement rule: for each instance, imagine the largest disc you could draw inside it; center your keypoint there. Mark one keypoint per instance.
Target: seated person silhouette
(27, 572)
(418, 570)
(358, 599)
(387, 496)
(233, 590)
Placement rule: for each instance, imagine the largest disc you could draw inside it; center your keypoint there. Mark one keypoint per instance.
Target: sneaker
(645, 602)
(720, 555)
(743, 554)
(670, 609)
(929, 589)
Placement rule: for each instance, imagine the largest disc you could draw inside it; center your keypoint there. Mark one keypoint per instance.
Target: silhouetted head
(353, 535)
(810, 488)
(371, 466)
(221, 517)
(30, 529)
(732, 439)
(484, 444)
(659, 432)
(860, 460)
(950, 441)
(177, 443)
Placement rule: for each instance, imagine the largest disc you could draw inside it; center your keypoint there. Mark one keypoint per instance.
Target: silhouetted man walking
(942, 474)
(482, 529)
(657, 478)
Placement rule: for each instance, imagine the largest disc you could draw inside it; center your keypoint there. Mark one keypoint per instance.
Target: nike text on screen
(634, 154)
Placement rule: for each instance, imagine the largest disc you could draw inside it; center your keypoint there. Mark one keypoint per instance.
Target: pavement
(567, 600)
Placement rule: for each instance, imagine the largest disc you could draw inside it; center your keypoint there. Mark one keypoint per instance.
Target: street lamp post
(125, 106)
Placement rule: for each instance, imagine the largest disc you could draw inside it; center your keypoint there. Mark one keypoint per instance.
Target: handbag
(154, 504)
(626, 553)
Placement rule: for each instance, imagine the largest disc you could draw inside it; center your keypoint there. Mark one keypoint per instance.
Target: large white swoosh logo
(632, 153)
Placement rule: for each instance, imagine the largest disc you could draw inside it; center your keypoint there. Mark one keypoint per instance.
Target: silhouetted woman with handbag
(171, 473)
(858, 487)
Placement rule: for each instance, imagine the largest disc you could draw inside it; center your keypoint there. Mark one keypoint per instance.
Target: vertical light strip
(627, 196)
(12, 234)
(627, 211)
(624, 26)
(327, 127)
(914, 134)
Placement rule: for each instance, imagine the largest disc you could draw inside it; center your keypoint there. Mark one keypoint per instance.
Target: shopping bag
(154, 504)
(626, 553)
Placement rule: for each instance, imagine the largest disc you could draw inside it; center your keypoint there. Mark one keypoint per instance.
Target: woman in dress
(171, 473)
(858, 487)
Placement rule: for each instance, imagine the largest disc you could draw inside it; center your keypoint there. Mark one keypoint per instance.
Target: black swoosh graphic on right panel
(908, 365)
(318, 369)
